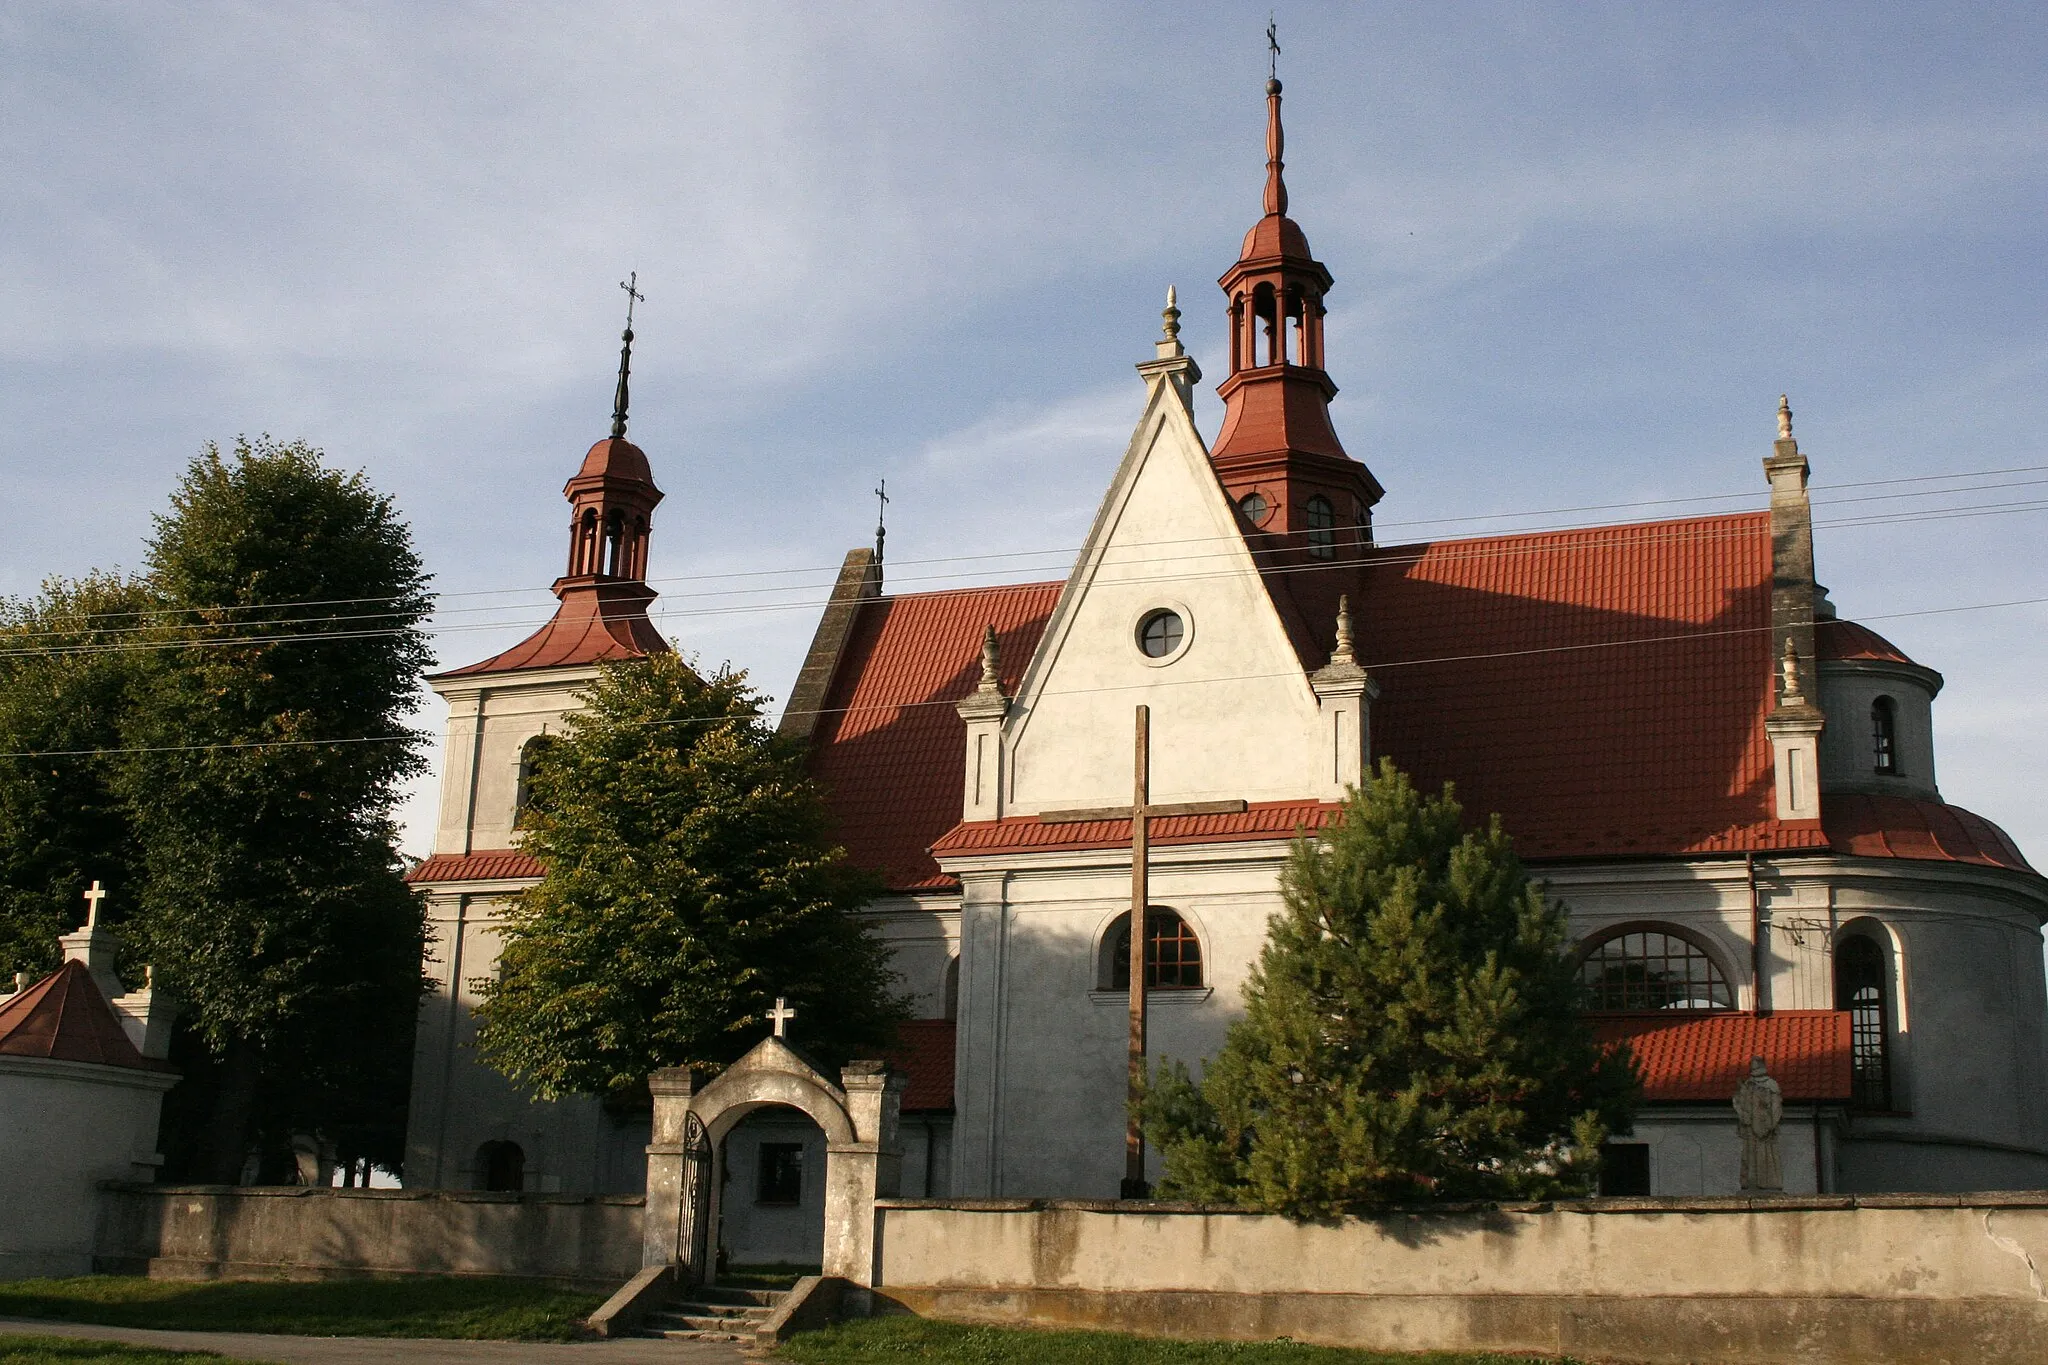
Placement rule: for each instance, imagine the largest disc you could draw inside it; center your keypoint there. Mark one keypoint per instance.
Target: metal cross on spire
(633, 295)
(881, 518)
(1272, 46)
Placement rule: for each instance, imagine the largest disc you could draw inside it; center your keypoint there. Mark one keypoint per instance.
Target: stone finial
(991, 662)
(1346, 651)
(1784, 417)
(1171, 326)
(1788, 674)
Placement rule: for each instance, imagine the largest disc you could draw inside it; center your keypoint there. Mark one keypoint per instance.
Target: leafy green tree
(1412, 1031)
(263, 757)
(69, 660)
(689, 882)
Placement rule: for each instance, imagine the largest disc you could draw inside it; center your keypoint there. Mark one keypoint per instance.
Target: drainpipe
(1757, 953)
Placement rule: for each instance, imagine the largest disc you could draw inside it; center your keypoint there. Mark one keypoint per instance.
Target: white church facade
(1731, 789)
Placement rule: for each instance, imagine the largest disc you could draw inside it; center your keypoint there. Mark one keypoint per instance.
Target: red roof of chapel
(65, 1017)
(1703, 1057)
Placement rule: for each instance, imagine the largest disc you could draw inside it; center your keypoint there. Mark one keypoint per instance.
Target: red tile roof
(1604, 690)
(66, 1018)
(484, 865)
(1904, 827)
(924, 1054)
(888, 750)
(1840, 639)
(1703, 1057)
(595, 621)
(1260, 820)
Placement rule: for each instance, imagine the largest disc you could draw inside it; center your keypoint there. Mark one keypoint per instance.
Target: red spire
(1277, 453)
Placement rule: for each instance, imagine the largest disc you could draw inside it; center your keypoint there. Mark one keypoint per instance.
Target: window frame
(1319, 522)
(1717, 967)
(1113, 972)
(1884, 737)
(1868, 1039)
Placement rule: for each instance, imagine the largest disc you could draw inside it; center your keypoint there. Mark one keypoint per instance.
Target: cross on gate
(780, 1015)
(1140, 813)
(93, 897)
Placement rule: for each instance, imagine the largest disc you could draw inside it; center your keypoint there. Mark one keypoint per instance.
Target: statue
(1759, 1105)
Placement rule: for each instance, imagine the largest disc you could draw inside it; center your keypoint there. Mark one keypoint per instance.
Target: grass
(900, 1340)
(473, 1309)
(17, 1350)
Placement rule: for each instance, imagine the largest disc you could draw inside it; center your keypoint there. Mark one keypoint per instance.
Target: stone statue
(1759, 1105)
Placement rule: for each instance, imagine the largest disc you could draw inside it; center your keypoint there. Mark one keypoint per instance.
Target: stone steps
(712, 1313)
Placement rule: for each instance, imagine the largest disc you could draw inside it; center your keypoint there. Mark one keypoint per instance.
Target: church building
(1730, 788)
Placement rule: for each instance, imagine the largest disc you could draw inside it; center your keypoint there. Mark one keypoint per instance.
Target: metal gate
(696, 1203)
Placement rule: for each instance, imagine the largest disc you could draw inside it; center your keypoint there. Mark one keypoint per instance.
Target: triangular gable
(1233, 715)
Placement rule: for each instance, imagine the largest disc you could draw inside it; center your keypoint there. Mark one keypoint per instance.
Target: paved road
(377, 1350)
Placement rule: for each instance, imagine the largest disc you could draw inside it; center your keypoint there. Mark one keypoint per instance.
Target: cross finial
(780, 1016)
(1784, 417)
(1272, 46)
(633, 296)
(881, 517)
(93, 897)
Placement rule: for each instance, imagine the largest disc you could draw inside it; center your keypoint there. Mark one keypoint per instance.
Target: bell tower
(1277, 454)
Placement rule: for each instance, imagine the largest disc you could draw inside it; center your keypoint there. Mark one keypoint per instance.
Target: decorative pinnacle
(1171, 317)
(633, 296)
(991, 662)
(1784, 417)
(1276, 143)
(1788, 672)
(1346, 651)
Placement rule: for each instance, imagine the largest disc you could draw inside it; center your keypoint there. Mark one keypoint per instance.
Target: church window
(1322, 527)
(1860, 989)
(779, 1173)
(1173, 955)
(1884, 736)
(1161, 633)
(500, 1166)
(529, 755)
(1254, 508)
(1652, 969)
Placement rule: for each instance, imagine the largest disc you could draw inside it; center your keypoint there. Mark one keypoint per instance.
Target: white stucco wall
(64, 1127)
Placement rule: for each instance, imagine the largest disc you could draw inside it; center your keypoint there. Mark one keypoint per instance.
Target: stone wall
(212, 1231)
(1864, 1280)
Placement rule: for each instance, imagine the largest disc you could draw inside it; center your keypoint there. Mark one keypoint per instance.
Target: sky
(1580, 249)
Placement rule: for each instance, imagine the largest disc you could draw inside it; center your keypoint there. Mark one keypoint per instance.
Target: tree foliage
(1412, 1031)
(689, 882)
(252, 727)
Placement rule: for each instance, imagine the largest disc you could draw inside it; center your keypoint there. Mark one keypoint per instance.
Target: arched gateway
(858, 1116)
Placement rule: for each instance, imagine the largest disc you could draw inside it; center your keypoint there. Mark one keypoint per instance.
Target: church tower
(1277, 454)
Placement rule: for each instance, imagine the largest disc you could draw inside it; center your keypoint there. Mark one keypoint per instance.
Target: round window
(1160, 633)
(1254, 508)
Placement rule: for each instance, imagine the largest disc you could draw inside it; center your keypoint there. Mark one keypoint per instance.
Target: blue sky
(1579, 250)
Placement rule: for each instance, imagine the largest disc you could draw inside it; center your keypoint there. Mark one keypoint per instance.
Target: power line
(1070, 550)
(1381, 665)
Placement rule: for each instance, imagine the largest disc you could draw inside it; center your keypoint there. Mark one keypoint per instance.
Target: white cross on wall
(781, 1015)
(93, 898)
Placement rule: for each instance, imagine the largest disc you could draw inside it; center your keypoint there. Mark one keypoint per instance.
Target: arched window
(1860, 989)
(1884, 736)
(583, 554)
(529, 755)
(500, 1166)
(614, 543)
(1322, 527)
(1173, 955)
(1652, 969)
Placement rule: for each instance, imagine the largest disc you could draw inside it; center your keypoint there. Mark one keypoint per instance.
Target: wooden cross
(1140, 813)
(93, 897)
(780, 1015)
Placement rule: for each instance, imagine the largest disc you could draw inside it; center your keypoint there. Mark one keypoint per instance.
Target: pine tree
(1412, 1031)
(689, 882)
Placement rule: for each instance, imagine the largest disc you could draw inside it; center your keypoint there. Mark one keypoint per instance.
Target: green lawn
(901, 1340)
(63, 1350)
(478, 1309)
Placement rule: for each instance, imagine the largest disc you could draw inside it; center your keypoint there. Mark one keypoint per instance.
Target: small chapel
(1080, 795)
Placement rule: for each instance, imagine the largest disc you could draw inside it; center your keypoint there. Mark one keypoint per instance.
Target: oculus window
(1254, 508)
(1161, 633)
